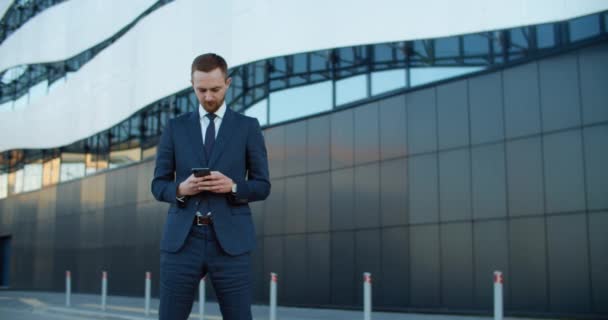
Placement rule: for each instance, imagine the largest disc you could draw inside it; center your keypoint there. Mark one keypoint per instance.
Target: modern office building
(429, 143)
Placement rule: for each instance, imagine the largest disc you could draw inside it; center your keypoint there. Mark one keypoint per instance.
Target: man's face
(210, 88)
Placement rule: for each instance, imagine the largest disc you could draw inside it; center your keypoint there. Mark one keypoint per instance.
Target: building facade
(429, 162)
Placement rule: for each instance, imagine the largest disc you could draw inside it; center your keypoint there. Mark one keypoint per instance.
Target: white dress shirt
(205, 120)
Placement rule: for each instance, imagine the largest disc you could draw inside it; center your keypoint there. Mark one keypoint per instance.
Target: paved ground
(35, 305)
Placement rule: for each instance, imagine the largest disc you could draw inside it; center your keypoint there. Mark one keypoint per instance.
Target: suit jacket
(239, 153)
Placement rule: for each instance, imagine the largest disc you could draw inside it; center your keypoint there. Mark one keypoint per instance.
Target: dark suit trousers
(180, 273)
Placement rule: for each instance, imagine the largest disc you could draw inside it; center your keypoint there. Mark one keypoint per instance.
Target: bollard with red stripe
(498, 300)
(367, 296)
(68, 288)
(274, 278)
(104, 289)
(148, 293)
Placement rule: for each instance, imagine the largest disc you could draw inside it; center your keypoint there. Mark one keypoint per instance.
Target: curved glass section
(19, 81)
(290, 87)
(19, 12)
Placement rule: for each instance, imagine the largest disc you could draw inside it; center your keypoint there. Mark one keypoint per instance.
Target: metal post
(104, 289)
(148, 290)
(367, 296)
(201, 298)
(273, 295)
(498, 307)
(68, 288)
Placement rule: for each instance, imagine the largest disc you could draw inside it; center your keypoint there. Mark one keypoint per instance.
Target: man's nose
(208, 97)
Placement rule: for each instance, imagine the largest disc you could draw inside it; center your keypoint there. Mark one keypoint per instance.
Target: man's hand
(216, 182)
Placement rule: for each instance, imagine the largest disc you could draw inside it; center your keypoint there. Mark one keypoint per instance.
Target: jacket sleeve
(164, 187)
(257, 185)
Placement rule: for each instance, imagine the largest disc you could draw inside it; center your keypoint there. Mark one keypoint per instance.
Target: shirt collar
(219, 113)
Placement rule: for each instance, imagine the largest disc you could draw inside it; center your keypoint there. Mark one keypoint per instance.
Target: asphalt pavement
(36, 305)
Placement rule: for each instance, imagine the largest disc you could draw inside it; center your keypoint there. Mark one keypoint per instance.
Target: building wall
(429, 190)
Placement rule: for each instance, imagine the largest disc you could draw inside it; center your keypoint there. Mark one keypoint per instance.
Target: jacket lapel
(195, 134)
(223, 136)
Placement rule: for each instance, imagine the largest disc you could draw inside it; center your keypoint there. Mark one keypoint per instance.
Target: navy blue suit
(189, 252)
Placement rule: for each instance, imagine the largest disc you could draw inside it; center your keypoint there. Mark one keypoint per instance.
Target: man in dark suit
(209, 229)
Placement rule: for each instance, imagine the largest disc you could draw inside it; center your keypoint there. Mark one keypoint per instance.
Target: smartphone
(201, 172)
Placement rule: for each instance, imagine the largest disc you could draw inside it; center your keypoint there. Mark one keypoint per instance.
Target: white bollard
(273, 295)
(148, 290)
(367, 296)
(201, 298)
(104, 289)
(68, 288)
(498, 280)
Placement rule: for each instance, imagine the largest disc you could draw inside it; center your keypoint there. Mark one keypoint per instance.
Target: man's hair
(208, 62)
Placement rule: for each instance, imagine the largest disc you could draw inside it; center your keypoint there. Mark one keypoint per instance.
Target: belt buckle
(201, 221)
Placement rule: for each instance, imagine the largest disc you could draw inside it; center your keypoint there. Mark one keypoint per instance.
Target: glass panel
(32, 179)
(419, 76)
(123, 157)
(476, 44)
(18, 181)
(384, 81)
(13, 74)
(298, 102)
(259, 111)
(3, 185)
(563, 172)
(149, 152)
(300, 63)
(454, 185)
(519, 39)
(524, 177)
(424, 198)
(447, 47)
(351, 89)
(585, 27)
(319, 61)
(383, 53)
(38, 90)
(545, 35)
(50, 172)
(72, 166)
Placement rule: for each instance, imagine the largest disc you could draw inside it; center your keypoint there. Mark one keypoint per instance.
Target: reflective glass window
(259, 111)
(583, 28)
(18, 181)
(319, 61)
(123, 157)
(32, 176)
(301, 101)
(476, 44)
(384, 81)
(279, 67)
(300, 63)
(383, 53)
(351, 89)
(545, 35)
(72, 166)
(50, 172)
(419, 76)
(447, 47)
(3, 185)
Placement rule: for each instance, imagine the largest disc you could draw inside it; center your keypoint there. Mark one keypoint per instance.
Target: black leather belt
(202, 220)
